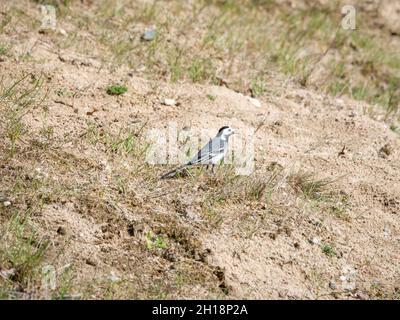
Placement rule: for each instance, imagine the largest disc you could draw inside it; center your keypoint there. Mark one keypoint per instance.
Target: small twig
(63, 103)
(342, 153)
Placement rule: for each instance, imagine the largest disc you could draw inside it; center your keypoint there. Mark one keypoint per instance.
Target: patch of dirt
(108, 215)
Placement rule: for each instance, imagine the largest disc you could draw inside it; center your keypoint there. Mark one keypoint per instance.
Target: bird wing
(212, 149)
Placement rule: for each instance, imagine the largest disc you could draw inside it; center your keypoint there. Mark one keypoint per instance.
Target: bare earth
(98, 207)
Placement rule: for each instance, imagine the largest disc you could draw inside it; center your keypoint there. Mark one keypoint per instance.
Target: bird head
(225, 132)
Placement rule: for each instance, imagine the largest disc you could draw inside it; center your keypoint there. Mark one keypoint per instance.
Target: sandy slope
(301, 130)
(258, 249)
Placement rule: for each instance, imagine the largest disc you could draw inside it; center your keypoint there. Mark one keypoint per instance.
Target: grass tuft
(328, 250)
(308, 185)
(116, 89)
(21, 253)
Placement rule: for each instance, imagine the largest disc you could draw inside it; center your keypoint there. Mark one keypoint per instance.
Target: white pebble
(255, 102)
(7, 203)
(340, 102)
(316, 240)
(169, 102)
(63, 32)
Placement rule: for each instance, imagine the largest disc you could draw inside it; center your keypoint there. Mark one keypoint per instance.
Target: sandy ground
(258, 250)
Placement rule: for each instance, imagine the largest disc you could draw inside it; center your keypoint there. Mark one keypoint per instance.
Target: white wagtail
(211, 154)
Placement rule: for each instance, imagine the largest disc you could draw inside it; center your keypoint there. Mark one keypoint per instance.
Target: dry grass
(148, 229)
(238, 42)
(48, 175)
(307, 184)
(321, 193)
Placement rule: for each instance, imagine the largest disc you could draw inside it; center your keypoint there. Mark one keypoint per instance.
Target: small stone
(149, 34)
(255, 102)
(7, 203)
(169, 102)
(332, 285)
(316, 240)
(340, 102)
(63, 32)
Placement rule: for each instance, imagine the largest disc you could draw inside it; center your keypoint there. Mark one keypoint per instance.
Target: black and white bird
(211, 154)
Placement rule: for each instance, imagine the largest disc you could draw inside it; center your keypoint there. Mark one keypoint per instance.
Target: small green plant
(116, 89)
(328, 250)
(125, 144)
(3, 49)
(201, 69)
(21, 251)
(257, 86)
(155, 241)
(359, 92)
(4, 22)
(65, 284)
(393, 101)
(16, 99)
(211, 97)
(336, 88)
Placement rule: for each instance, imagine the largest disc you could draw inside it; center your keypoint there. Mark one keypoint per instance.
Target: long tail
(172, 173)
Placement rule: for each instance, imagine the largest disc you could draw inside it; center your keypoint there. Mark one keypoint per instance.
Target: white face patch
(227, 132)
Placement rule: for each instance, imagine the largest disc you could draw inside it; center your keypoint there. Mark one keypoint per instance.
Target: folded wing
(210, 152)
